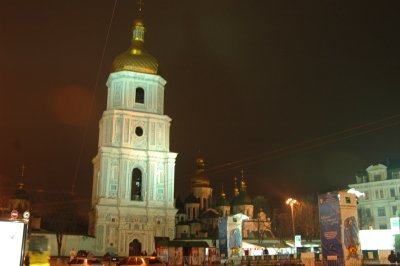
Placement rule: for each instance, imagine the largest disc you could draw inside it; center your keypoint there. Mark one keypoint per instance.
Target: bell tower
(133, 171)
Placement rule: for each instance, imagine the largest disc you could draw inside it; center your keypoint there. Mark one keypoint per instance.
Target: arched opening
(136, 193)
(139, 96)
(135, 248)
(204, 203)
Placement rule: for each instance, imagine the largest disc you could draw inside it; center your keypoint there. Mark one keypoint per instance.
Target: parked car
(112, 257)
(132, 260)
(84, 262)
(84, 254)
(154, 261)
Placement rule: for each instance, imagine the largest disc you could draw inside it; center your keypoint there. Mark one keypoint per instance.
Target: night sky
(287, 90)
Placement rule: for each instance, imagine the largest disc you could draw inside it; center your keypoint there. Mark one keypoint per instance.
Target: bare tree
(281, 224)
(61, 219)
(307, 218)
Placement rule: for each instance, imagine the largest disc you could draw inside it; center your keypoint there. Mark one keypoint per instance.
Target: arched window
(139, 97)
(136, 193)
(204, 203)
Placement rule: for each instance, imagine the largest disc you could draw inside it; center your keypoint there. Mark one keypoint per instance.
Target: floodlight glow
(11, 242)
(376, 239)
(356, 192)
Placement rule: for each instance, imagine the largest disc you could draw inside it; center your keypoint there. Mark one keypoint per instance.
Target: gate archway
(135, 248)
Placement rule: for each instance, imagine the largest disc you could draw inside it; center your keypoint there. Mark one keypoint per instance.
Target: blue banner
(331, 236)
(222, 235)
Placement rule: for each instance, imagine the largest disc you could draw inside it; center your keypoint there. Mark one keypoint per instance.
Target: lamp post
(291, 202)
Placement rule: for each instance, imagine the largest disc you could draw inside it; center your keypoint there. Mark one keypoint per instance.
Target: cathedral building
(133, 171)
(198, 215)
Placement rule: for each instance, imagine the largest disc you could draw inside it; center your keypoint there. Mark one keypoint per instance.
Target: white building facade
(381, 185)
(133, 171)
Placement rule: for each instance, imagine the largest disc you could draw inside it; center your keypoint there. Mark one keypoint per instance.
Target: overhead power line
(85, 132)
(309, 144)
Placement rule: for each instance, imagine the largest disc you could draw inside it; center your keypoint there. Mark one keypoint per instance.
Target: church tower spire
(20, 200)
(222, 203)
(136, 58)
(235, 187)
(243, 185)
(200, 185)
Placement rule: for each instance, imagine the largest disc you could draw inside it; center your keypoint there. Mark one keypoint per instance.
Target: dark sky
(258, 82)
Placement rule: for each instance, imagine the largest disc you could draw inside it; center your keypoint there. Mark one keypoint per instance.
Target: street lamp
(291, 202)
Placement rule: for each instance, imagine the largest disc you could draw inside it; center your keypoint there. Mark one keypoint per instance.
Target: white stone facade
(204, 194)
(381, 185)
(133, 177)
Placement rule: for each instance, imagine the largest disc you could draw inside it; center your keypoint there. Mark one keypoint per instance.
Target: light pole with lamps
(291, 202)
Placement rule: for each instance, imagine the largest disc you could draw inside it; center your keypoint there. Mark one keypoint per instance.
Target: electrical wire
(308, 144)
(86, 129)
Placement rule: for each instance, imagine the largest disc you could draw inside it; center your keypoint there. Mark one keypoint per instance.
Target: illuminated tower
(133, 171)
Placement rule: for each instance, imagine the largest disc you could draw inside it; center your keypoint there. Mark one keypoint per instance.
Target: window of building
(381, 193)
(136, 192)
(113, 188)
(394, 210)
(382, 226)
(139, 97)
(368, 212)
(377, 177)
(381, 211)
(366, 195)
(395, 175)
(348, 201)
(204, 203)
(376, 194)
(139, 131)
(392, 192)
(194, 213)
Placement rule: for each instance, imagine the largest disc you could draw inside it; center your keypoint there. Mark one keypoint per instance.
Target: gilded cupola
(222, 201)
(20, 200)
(200, 179)
(136, 58)
(235, 187)
(241, 197)
(243, 185)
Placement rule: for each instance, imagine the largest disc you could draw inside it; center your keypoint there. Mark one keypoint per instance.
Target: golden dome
(136, 58)
(223, 194)
(200, 163)
(200, 179)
